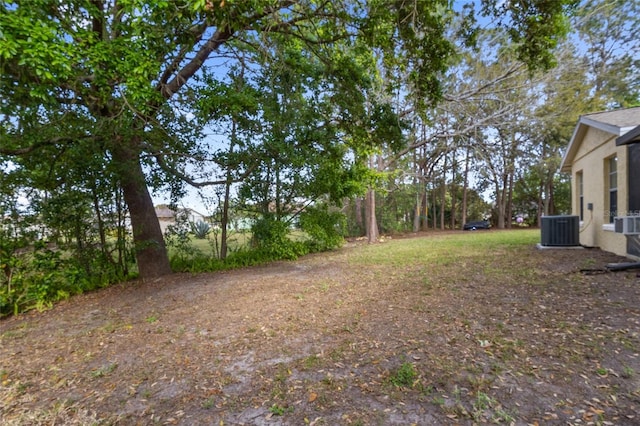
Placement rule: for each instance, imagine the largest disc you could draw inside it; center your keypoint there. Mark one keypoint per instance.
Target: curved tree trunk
(150, 249)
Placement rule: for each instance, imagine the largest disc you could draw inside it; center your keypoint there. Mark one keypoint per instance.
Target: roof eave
(567, 158)
(605, 127)
(629, 137)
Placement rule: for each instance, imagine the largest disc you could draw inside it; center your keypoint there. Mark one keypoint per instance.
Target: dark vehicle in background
(474, 226)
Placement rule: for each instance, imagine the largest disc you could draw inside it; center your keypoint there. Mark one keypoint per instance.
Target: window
(612, 164)
(580, 184)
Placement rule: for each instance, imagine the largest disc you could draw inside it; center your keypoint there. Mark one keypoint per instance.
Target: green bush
(326, 229)
(271, 240)
(40, 277)
(238, 259)
(246, 257)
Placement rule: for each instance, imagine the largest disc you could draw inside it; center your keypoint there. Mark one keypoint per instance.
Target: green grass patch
(444, 249)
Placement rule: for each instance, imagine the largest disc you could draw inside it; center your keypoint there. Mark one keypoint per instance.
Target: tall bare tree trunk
(224, 219)
(100, 221)
(443, 193)
(371, 222)
(453, 191)
(511, 172)
(465, 187)
(358, 213)
(541, 203)
(509, 208)
(433, 208)
(417, 180)
(543, 206)
(551, 210)
(500, 200)
(121, 232)
(417, 211)
(424, 219)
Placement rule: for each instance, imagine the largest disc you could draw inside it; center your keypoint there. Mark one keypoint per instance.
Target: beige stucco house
(604, 163)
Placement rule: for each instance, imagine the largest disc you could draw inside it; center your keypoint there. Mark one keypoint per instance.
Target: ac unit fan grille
(562, 231)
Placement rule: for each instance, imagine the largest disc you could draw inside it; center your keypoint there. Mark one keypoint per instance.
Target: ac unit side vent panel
(627, 225)
(561, 231)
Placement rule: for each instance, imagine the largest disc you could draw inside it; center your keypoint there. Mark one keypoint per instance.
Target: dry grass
(460, 328)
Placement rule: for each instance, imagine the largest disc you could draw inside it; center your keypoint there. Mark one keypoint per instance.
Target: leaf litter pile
(511, 335)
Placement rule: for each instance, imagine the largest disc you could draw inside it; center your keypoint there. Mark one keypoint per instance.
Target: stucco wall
(590, 159)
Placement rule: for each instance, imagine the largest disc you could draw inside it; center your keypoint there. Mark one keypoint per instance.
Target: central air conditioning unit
(560, 231)
(627, 225)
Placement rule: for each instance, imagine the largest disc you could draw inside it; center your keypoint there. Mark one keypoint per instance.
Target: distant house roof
(632, 136)
(164, 212)
(618, 122)
(194, 212)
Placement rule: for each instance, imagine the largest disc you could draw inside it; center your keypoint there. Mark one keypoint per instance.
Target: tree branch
(31, 148)
(222, 35)
(198, 31)
(187, 179)
(489, 84)
(464, 131)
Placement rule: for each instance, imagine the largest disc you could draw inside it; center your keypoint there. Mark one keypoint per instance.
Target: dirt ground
(323, 341)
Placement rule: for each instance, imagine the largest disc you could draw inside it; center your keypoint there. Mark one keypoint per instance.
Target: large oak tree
(105, 76)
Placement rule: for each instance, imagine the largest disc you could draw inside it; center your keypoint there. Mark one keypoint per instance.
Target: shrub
(41, 276)
(326, 229)
(271, 241)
